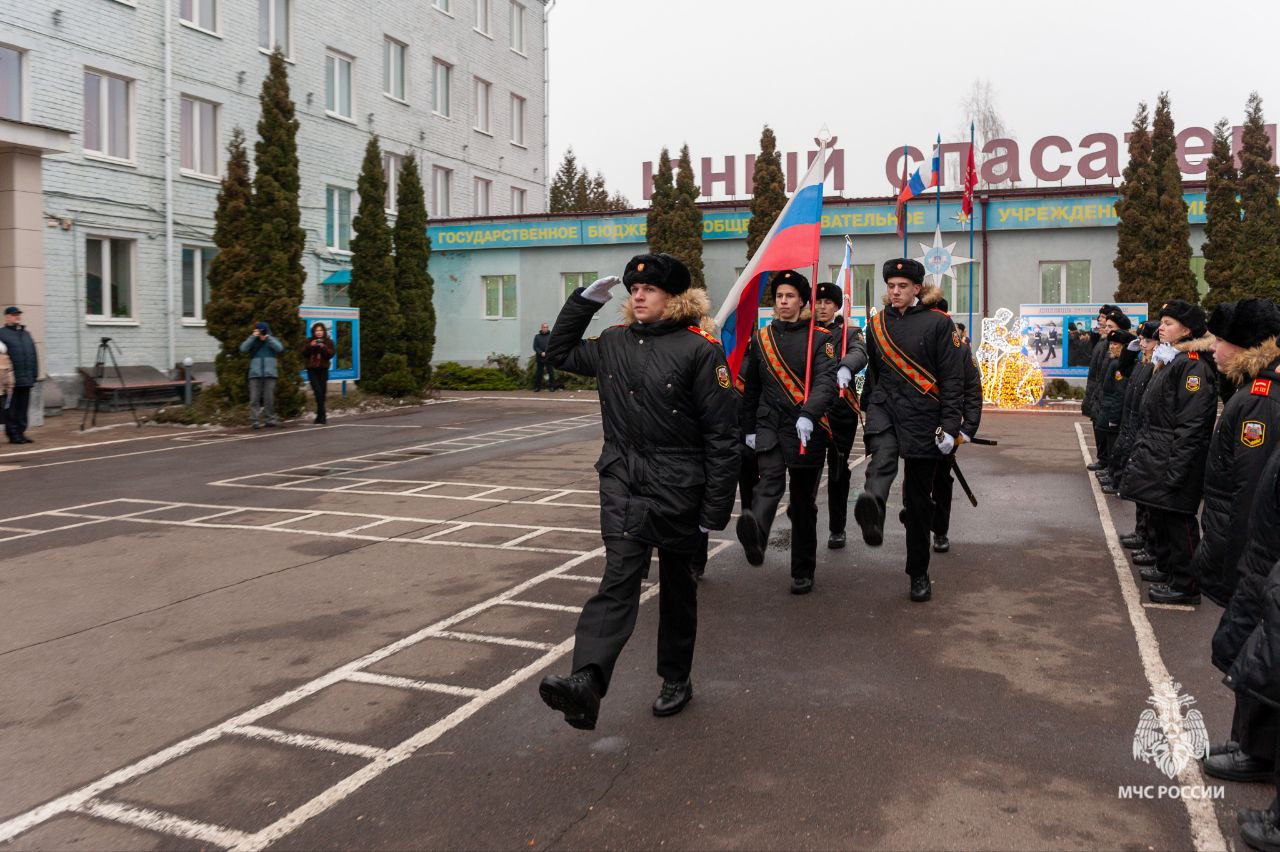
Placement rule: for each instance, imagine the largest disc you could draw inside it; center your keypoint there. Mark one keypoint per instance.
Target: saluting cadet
(668, 470)
(789, 433)
(1110, 410)
(1110, 319)
(913, 399)
(1138, 541)
(843, 413)
(1166, 469)
(943, 482)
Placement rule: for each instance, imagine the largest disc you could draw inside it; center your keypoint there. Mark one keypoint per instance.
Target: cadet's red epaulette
(821, 329)
(941, 311)
(1194, 356)
(1261, 387)
(697, 329)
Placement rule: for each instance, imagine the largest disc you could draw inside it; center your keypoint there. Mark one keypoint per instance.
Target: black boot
(751, 537)
(866, 511)
(801, 585)
(1131, 541)
(576, 696)
(1238, 766)
(1153, 575)
(1143, 557)
(1170, 595)
(1095, 466)
(674, 695)
(1263, 836)
(941, 544)
(836, 541)
(1108, 488)
(1255, 815)
(921, 589)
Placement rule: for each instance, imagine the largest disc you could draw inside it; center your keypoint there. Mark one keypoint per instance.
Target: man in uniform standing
(843, 414)
(788, 430)
(913, 398)
(668, 470)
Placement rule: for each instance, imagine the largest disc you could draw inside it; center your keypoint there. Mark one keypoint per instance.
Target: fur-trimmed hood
(1247, 363)
(1203, 343)
(692, 307)
(930, 295)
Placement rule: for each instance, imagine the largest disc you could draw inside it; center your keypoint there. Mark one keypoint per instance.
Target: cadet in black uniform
(914, 387)
(789, 433)
(943, 482)
(668, 470)
(1110, 410)
(843, 413)
(1138, 541)
(1111, 318)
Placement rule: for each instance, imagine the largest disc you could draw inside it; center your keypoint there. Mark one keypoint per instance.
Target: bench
(133, 384)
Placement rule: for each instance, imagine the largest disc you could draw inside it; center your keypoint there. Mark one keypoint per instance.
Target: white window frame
(445, 6)
(201, 277)
(393, 75)
(197, 136)
(1062, 280)
(273, 28)
(392, 163)
(482, 197)
(24, 87)
(573, 280)
(522, 195)
(501, 281)
(333, 60)
(484, 18)
(519, 112)
(441, 191)
(482, 103)
(107, 271)
(104, 118)
(194, 21)
(332, 227)
(441, 70)
(516, 19)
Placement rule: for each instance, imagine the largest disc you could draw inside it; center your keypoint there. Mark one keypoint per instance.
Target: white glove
(945, 443)
(1135, 344)
(750, 440)
(843, 377)
(703, 529)
(804, 428)
(598, 290)
(1164, 353)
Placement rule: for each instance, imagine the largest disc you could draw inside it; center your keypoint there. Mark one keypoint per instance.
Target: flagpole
(813, 284)
(938, 214)
(905, 203)
(971, 212)
(848, 295)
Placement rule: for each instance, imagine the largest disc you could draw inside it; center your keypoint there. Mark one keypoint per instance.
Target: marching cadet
(788, 432)
(1110, 410)
(668, 470)
(913, 399)
(843, 413)
(943, 482)
(1247, 354)
(1166, 468)
(1138, 541)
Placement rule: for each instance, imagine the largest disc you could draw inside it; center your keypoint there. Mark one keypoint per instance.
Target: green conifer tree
(414, 286)
(1222, 219)
(373, 272)
(229, 313)
(685, 221)
(1135, 208)
(658, 220)
(561, 196)
(769, 196)
(1259, 245)
(1172, 276)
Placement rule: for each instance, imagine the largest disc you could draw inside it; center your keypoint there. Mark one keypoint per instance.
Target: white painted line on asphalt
(165, 823)
(302, 516)
(385, 425)
(20, 453)
(521, 539)
(257, 732)
(409, 683)
(1174, 607)
(576, 578)
(1206, 834)
(493, 640)
(547, 606)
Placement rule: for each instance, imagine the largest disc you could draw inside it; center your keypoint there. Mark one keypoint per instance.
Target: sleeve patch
(830, 349)
(1193, 383)
(1253, 433)
(722, 376)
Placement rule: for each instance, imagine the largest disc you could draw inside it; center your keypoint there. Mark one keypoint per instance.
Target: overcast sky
(628, 78)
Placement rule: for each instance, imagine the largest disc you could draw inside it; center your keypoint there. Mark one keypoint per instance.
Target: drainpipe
(986, 267)
(168, 185)
(546, 106)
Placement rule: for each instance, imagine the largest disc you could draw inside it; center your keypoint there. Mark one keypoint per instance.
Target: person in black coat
(541, 363)
(943, 481)
(1111, 318)
(843, 413)
(668, 470)
(1166, 469)
(913, 400)
(26, 372)
(789, 432)
(1110, 410)
(1139, 540)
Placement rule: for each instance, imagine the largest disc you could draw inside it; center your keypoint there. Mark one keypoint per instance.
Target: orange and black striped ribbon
(920, 378)
(782, 373)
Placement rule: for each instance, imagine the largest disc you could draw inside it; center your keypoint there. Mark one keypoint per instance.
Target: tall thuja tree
(1135, 208)
(229, 314)
(769, 194)
(1222, 220)
(658, 221)
(1259, 246)
(373, 274)
(414, 287)
(1170, 232)
(685, 223)
(277, 239)
(561, 196)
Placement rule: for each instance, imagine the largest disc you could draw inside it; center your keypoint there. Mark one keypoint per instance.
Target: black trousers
(1102, 439)
(1256, 726)
(609, 616)
(1142, 527)
(15, 412)
(1175, 536)
(540, 365)
(839, 474)
(917, 490)
(943, 488)
(319, 379)
(804, 506)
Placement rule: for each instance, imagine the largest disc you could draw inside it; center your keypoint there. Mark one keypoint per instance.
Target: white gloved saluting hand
(843, 376)
(598, 290)
(804, 428)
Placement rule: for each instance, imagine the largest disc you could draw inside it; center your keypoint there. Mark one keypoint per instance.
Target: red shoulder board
(1194, 356)
(821, 329)
(941, 311)
(697, 329)
(1261, 387)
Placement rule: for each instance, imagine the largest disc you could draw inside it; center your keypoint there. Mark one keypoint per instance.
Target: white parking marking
(162, 822)
(409, 683)
(257, 732)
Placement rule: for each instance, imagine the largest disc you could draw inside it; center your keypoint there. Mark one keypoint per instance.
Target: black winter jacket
(1244, 439)
(1256, 671)
(670, 456)
(972, 418)
(1166, 467)
(1093, 382)
(1131, 412)
(540, 341)
(1114, 382)
(22, 352)
(891, 401)
(844, 409)
(768, 410)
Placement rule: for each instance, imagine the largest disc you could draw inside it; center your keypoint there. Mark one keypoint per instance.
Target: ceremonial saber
(964, 484)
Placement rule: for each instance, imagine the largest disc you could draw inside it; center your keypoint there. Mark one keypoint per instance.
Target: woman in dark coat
(317, 352)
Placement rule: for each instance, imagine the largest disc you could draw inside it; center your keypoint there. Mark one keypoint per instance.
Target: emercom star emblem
(940, 261)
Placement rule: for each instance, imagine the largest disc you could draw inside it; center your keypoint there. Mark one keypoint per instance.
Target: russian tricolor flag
(916, 185)
(792, 243)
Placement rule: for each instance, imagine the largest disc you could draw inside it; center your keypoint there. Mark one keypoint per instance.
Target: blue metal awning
(341, 276)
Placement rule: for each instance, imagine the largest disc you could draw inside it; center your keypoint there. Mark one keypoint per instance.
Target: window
(483, 88)
(274, 18)
(199, 137)
(442, 75)
(108, 278)
(957, 292)
(393, 66)
(107, 115)
(391, 169)
(10, 83)
(195, 280)
(517, 119)
(1065, 282)
(864, 274)
(517, 27)
(499, 296)
(574, 280)
(201, 13)
(483, 14)
(482, 192)
(337, 218)
(337, 85)
(442, 5)
(442, 178)
(517, 201)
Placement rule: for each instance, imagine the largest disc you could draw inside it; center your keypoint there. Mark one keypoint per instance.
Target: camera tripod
(99, 369)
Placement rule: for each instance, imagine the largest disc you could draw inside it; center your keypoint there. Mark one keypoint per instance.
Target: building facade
(151, 89)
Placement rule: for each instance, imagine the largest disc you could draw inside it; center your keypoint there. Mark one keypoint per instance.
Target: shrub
(395, 377)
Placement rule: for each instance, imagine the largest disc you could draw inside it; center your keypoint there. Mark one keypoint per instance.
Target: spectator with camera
(262, 348)
(317, 352)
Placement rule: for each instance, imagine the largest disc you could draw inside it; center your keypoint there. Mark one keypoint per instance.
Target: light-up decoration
(1011, 378)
